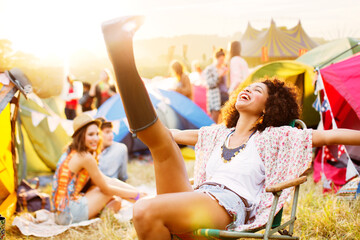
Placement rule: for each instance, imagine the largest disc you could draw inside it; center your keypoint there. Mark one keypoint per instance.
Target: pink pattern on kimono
(285, 151)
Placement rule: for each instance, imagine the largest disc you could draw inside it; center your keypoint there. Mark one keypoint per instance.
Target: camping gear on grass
(31, 199)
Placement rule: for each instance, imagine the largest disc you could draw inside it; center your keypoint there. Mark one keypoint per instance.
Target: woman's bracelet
(137, 197)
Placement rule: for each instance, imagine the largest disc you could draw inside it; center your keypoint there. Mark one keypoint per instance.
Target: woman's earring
(261, 119)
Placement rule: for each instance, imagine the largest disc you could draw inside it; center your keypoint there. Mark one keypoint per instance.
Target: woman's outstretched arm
(186, 137)
(88, 162)
(335, 137)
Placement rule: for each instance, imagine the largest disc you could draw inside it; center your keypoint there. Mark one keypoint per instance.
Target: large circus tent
(274, 43)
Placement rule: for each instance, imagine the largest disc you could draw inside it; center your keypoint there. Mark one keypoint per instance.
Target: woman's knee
(114, 204)
(143, 212)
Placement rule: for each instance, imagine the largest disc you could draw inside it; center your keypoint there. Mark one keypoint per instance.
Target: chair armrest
(290, 183)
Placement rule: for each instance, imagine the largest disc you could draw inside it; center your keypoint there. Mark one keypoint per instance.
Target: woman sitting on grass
(71, 200)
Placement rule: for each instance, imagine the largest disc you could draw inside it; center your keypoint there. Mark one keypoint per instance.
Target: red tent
(342, 86)
(200, 97)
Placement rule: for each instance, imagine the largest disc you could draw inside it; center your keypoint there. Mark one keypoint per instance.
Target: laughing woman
(72, 201)
(235, 161)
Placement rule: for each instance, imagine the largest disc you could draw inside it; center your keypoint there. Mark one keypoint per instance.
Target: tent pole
(15, 101)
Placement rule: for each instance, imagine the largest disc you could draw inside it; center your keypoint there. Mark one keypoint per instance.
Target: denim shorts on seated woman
(77, 211)
(228, 200)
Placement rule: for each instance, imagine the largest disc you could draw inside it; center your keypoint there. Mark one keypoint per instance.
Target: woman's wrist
(137, 197)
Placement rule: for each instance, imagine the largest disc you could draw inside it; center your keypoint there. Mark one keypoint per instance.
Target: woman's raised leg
(171, 175)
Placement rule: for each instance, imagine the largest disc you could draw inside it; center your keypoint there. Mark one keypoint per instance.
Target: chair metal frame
(270, 233)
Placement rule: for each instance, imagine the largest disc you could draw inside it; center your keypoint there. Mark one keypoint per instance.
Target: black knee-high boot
(118, 34)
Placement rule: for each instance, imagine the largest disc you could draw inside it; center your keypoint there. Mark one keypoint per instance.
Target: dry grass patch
(318, 216)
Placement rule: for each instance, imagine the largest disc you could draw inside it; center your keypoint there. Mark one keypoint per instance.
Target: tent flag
(326, 182)
(325, 106)
(341, 150)
(116, 126)
(327, 154)
(316, 105)
(36, 118)
(319, 82)
(67, 126)
(126, 123)
(351, 170)
(53, 123)
(334, 125)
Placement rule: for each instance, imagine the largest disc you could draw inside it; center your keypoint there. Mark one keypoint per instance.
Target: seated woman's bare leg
(171, 175)
(96, 201)
(156, 218)
(170, 170)
(114, 204)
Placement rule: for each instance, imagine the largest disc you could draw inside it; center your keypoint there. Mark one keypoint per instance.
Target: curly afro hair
(280, 109)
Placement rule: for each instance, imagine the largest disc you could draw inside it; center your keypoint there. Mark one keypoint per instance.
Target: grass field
(318, 216)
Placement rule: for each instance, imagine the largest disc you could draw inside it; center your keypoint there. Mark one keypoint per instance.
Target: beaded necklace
(229, 154)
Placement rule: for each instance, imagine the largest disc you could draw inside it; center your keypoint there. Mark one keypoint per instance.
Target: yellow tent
(7, 171)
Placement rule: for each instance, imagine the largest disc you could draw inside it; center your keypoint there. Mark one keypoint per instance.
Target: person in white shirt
(71, 93)
(238, 67)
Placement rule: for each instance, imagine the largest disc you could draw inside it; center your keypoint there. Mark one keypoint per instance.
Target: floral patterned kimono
(285, 151)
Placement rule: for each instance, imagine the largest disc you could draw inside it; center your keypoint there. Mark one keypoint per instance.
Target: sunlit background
(66, 33)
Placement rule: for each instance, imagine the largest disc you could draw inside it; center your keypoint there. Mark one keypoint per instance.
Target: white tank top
(244, 174)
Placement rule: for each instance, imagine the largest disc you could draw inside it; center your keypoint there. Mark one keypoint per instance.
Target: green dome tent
(40, 147)
(330, 53)
(296, 73)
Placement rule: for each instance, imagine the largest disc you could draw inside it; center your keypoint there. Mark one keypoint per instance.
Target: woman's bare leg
(97, 200)
(171, 175)
(157, 217)
(114, 204)
(170, 170)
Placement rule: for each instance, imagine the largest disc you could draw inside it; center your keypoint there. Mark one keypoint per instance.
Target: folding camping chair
(273, 229)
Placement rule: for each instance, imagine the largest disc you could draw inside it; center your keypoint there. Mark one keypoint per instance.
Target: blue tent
(173, 109)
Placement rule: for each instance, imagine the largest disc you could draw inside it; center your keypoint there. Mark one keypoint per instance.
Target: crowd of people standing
(220, 78)
(85, 95)
(208, 86)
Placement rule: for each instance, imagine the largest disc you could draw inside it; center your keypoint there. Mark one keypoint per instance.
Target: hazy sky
(43, 26)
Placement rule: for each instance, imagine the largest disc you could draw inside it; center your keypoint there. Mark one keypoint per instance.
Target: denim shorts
(77, 211)
(228, 200)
